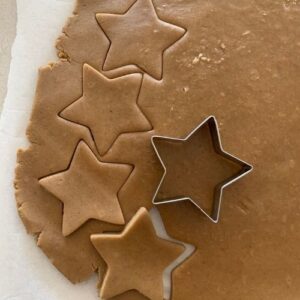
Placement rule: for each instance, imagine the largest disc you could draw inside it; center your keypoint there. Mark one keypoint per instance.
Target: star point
(147, 38)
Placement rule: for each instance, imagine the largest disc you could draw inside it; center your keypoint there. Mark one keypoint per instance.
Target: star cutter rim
(246, 168)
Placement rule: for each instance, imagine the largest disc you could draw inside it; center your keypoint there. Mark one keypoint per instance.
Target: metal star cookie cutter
(246, 168)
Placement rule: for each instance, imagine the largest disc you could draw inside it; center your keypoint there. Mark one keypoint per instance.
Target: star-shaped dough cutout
(136, 258)
(108, 107)
(199, 166)
(88, 189)
(139, 38)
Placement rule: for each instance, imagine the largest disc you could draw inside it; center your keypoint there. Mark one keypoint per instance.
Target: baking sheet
(25, 272)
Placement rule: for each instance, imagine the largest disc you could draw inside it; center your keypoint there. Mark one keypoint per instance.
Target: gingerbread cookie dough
(88, 189)
(176, 63)
(136, 258)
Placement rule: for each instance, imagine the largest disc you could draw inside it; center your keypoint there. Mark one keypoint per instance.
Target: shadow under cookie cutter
(246, 168)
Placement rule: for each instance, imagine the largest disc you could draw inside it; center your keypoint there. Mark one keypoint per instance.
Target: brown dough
(53, 141)
(239, 61)
(104, 104)
(143, 47)
(136, 258)
(88, 189)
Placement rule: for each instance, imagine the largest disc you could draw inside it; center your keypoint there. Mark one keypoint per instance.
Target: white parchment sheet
(25, 272)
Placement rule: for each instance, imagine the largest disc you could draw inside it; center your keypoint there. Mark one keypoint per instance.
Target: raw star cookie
(140, 252)
(88, 189)
(182, 62)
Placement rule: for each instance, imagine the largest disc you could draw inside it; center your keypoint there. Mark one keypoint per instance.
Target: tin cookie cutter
(246, 168)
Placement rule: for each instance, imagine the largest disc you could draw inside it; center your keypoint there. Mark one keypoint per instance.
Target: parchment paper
(25, 272)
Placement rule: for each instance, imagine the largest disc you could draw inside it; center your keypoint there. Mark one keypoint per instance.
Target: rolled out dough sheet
(25, 272)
